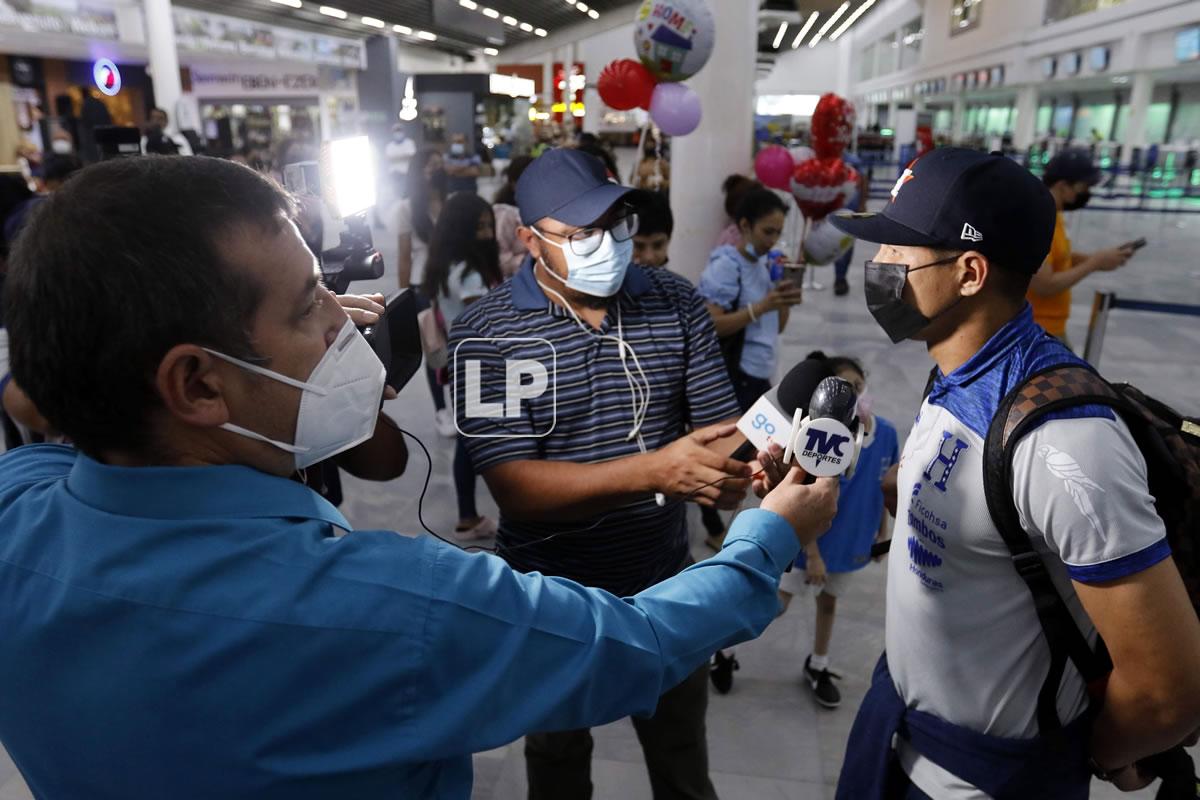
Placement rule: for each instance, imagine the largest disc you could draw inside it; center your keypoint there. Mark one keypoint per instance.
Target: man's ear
(531, 241)
(974, 271)
(191, 386)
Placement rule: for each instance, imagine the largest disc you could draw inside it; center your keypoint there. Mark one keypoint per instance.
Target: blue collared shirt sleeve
(719, 281)
(508, 654)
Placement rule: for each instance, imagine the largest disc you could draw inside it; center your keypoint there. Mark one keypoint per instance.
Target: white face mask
(60, 146)
(340, 401)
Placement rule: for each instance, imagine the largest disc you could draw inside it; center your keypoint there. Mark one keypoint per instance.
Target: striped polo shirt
(587, 412)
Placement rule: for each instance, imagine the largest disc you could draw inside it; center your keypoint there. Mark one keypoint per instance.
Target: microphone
(820, 438)
(769, 420)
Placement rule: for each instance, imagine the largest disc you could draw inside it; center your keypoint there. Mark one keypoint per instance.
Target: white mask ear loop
(639, 394)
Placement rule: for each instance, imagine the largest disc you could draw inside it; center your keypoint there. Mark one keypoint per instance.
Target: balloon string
(637, 162)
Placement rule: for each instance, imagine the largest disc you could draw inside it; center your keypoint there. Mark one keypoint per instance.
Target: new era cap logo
(905, 177)
(970, 234)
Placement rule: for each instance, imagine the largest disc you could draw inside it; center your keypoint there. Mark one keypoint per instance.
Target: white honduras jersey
(963, 639)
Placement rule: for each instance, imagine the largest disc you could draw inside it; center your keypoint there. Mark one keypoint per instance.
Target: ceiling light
(829, 23)
(582, 7)
(858, 12)
(491, 12)
(427, 36)
(374, 23)
(491, 51)
(469, 4)
(812, 19)
(510, 21)
(291, 3)
(593, 13)
(540, 31)
(404, 29)
(779, 35)
(330, 11)
(525, 26)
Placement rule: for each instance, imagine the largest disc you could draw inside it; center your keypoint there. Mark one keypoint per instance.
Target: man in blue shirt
(599, 459)
(952, 712)
(182, 620)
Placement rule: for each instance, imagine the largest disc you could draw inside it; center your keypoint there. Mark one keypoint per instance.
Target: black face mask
(884, 284)
(1081, 200)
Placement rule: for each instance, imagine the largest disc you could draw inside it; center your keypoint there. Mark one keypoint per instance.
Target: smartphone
(1135, 245)
(396, 339)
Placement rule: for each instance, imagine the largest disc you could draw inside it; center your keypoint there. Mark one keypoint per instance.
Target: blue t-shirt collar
(1016, 333)
(219, 492)
(528, 296)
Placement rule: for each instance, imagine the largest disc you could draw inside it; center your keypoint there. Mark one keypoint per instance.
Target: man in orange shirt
(1070, 176)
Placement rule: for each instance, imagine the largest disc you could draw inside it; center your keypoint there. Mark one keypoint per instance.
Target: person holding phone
(1069, 176)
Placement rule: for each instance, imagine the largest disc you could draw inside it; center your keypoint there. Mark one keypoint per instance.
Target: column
(548, 80)
(958, 120)
(893, 108)
(722, 144)
(164, 58)
(1027, 105)
(1140, 93)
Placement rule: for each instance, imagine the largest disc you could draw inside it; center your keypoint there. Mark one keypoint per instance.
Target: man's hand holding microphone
(808, 507)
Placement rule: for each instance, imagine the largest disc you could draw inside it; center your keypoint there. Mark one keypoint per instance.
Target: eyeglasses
(585, 241)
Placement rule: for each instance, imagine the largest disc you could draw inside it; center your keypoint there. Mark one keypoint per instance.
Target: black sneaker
(841, 288)
(721, 671)
(821, 683)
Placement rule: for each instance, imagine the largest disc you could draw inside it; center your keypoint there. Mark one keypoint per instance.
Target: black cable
(476, 548)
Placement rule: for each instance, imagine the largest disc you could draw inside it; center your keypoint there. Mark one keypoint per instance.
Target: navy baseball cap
(953, 198)
(1072, 165)
(567, 185)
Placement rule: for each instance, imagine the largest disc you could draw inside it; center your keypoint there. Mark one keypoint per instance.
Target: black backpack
(1170, 444)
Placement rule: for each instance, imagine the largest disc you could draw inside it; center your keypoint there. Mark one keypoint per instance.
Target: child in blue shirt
(827, 565)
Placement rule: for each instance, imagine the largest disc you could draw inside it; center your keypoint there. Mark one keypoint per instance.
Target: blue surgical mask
(599, 274)
(751, 252)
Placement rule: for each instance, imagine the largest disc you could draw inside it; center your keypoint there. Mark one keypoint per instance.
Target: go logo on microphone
(505, 388)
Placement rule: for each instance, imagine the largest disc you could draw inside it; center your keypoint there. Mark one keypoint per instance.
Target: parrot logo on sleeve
(1062, 466)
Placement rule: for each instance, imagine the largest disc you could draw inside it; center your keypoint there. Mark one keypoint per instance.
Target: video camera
(344, 180)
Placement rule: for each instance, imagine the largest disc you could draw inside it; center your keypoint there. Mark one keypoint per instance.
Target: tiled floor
(768, 740)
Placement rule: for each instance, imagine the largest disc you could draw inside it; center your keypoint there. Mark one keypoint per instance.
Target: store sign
(60, 16)
(247, 84)
(107, 77)
(511, 85)
(200, 32)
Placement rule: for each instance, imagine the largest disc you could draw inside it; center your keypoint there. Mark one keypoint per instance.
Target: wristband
(750, 308)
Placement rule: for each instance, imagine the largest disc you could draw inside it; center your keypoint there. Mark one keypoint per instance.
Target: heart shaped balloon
(822, 186)
(832, 126)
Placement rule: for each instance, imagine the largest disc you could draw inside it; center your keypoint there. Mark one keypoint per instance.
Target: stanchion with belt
(1106, 302)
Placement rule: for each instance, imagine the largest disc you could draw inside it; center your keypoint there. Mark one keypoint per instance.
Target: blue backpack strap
(1041, 394)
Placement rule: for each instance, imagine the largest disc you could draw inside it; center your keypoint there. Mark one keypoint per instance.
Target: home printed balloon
(674, 38)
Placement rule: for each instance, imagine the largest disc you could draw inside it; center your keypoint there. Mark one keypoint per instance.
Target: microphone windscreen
(835, 398)
(797, 387)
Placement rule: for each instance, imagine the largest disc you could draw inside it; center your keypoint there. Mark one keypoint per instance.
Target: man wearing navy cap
(602, 460)
(1070, 176)
(953, 709)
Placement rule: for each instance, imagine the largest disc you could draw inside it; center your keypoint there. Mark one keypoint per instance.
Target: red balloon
(626, 84)
(822, 186)
(832, 126)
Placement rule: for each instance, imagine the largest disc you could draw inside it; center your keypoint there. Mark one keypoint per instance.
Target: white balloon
(825, 243)
(674, 38)
(801, 154)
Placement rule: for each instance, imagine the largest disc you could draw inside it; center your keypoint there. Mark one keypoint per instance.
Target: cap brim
(589, 206)
(875, 227)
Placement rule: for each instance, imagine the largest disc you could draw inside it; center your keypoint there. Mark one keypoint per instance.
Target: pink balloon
(773, 166)
(675, 109)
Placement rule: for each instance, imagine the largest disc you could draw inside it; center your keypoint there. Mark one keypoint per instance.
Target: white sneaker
(485, 528)
(445, 423)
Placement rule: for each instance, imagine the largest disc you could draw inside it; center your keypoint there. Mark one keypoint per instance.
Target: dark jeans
(431, 375)
(464, 481)
(842, 266)
(748, 389)
(674, 741)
